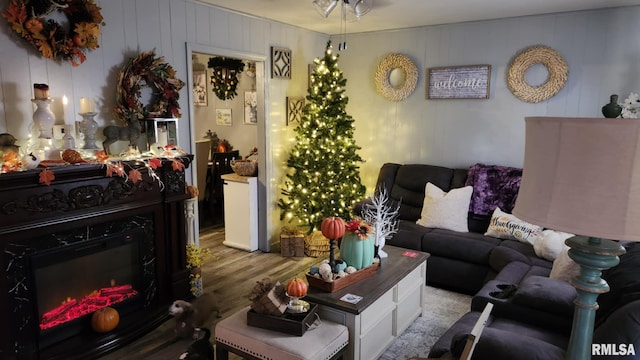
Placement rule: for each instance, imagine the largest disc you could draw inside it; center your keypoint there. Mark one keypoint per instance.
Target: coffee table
(392, 299)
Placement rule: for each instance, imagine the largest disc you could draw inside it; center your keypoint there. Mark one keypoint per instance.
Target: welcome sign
(459, 82)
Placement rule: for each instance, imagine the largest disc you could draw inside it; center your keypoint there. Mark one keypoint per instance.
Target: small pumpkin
(105, 320)
(332, 227)
(297, 288)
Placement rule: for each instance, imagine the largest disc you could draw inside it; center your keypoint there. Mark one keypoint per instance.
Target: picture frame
(280, 63)
(223, 117)
(459, 82)
(200, 95)
(250, 107)
(295, 106)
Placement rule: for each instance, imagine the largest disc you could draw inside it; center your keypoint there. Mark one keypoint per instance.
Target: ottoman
(326, 341)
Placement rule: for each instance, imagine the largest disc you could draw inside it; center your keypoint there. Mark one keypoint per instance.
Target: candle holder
(43, 118)
(89, 127)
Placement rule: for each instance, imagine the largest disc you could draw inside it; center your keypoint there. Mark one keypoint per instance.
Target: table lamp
(582, 176)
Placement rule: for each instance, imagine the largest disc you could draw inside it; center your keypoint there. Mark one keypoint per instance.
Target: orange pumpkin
(105, 320)
(297, 288)
(332, 227)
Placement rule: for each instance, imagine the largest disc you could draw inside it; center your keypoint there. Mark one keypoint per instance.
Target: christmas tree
(324, 178)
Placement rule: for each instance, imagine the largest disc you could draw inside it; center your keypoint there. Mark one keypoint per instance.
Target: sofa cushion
(623, 281)
(549, 295)
(409, 235)
(507, 226)
(622, 327)
(526, 250)
(470, 247)
(445, 210)
(409, 184)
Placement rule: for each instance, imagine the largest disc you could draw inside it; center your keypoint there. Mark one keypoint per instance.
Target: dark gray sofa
(459, 261)
(532, 314)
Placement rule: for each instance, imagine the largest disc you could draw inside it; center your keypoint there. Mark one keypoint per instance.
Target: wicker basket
(244, 167)
(316, 245)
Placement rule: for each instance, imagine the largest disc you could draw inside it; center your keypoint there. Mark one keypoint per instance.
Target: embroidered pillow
(445, 210)
(507, 226)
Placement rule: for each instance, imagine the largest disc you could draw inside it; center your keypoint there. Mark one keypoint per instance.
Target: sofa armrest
(546, 294)
(503, 344)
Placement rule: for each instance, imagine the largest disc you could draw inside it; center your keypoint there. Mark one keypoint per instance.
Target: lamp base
(593, 255)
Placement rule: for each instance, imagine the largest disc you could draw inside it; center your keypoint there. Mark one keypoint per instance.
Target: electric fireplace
(83, 244)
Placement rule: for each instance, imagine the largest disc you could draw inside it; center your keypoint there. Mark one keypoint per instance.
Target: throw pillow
(564, 268)
(445, 210)
(507, 226)
(550, 244)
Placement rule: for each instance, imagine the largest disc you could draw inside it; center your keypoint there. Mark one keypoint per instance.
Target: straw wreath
(386, 66)
(550, 59)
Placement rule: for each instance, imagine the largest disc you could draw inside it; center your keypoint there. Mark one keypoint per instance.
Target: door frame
(264, 171)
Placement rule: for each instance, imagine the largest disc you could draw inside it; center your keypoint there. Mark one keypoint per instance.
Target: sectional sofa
(532, 314)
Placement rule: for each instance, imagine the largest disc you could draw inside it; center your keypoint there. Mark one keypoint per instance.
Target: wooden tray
(293, 324)
(341, 283)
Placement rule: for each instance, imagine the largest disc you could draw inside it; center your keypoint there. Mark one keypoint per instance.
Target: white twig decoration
(382, 215)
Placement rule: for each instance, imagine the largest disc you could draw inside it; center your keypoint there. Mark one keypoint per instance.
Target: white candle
(87, 105)
(65, 102)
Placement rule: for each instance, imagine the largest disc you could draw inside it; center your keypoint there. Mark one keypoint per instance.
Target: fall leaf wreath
(147, 70)
(28, 19)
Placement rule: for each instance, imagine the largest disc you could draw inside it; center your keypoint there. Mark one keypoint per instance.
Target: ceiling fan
(353, 9)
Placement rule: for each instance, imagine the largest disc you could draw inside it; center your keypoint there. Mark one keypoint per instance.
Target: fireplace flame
(72, 309)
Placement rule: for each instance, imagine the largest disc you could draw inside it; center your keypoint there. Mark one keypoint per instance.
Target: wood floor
(229, 275)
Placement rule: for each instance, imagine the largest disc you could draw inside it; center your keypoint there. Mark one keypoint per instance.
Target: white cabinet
(241, 211)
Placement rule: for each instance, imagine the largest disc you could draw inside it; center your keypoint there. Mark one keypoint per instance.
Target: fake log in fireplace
(94, 242)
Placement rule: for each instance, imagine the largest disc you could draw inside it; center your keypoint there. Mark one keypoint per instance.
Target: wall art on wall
(295, 105)
(459, 82)
(555, 65)
(223, 117)
(250, 107)
(200, 88)
(280, 63)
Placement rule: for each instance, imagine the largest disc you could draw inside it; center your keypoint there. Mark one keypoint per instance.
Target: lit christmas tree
(324, 179)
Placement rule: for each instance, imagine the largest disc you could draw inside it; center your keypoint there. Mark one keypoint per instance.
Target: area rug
(443, 308)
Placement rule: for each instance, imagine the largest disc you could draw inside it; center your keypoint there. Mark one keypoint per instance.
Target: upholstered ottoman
(326, 341)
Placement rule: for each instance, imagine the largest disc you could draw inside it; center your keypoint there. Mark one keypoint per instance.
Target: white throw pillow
(564, 268)
(550, 244)
(446, 210)
(507, 226)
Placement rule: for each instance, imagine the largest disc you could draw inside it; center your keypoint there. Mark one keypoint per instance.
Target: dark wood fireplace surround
(82, 197)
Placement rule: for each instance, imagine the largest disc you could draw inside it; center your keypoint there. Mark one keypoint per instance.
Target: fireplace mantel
(82, 197)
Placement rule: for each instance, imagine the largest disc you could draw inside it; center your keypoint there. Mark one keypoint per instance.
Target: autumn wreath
(147, 70)
(27, 18)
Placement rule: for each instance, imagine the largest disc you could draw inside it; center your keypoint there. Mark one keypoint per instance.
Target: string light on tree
(324, 178)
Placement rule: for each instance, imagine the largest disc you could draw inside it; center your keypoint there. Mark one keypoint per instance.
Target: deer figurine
(114, 133)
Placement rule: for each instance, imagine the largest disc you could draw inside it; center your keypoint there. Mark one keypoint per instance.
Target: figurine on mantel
(8, 143)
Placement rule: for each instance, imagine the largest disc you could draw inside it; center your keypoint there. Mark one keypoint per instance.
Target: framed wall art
(280, 63)
(200, 96)
(459, 82)
(295, 105)
(223, 117)
(250, 107)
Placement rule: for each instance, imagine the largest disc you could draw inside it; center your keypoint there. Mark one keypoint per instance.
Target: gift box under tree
(291, 242)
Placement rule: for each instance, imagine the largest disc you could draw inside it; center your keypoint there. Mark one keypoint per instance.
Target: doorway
(233, 121)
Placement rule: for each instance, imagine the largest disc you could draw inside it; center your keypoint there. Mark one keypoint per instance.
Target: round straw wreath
(550, 59)
(389, 63)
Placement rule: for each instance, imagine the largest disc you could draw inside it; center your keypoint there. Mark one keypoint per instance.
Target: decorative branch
(383, 216)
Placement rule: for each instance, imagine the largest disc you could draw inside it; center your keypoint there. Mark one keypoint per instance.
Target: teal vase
(357, 252)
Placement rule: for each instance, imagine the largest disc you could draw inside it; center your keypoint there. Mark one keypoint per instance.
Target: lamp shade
(325, 7)
(582, 176)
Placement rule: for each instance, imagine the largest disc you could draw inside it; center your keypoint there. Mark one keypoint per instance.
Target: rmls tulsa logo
(613, 349)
